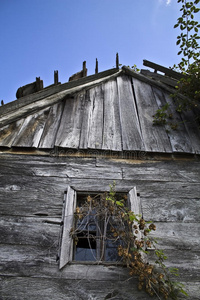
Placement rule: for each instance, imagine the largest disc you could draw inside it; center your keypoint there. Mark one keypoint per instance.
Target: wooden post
(117, 61)
(84, 69)
(39, 84)
(96, 67)
(55, 77)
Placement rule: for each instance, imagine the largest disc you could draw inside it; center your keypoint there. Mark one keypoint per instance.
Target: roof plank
(179, 139)
(112, 128)
(95, 136)
(131, 134)
(9, 132)
(83, 143)
(193, 129)
(155, 137)
(51, 127)
(70, 126)
(30, 132)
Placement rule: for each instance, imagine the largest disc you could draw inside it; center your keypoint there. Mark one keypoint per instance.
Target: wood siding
(31, 202)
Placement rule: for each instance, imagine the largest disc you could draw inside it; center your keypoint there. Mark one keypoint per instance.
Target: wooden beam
(39, 84)
(117, 61)
(55, 77)
(96, 67)
(162, 69)
(153, 82)
(84, 69)
(169, 81)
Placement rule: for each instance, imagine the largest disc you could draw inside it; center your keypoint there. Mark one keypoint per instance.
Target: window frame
(69, 208)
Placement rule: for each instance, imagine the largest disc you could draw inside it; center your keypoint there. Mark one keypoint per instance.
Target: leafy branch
(187, 94)
(130, 233)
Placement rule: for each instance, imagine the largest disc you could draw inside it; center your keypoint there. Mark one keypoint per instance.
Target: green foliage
(160, 118)
(189, 85)
(187, 95)
(188, 39)
(133, 232)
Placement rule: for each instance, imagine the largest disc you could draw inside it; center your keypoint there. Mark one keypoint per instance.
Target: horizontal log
(36, 231)
(60, 289)
(33, 264)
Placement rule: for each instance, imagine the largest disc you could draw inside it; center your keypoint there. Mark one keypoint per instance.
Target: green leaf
(119, 203)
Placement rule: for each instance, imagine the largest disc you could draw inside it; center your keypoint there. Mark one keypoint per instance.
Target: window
(89, 236)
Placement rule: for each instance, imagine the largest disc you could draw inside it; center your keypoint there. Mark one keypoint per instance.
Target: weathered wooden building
(81, 136)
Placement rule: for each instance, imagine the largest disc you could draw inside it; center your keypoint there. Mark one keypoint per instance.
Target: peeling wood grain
(31, 131)
(9, 132)
(154, 137)
(70, 126)
(192, 128)
(95, 135)
(177, 236)
(112, 139)
(35, 231)
(179, 139)
(51, 289)
(51, 127)
(131, 134)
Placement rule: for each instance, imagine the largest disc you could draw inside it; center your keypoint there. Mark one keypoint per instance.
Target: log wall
(31, 199)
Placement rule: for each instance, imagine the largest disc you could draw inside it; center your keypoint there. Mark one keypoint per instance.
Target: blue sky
(40, 36)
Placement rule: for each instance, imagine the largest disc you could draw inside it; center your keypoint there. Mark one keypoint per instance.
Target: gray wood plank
(62, 289)
(155, 137)
(95, 135)
(31, 131)
(131, 133)
(44, 280)
(192, 128)
(68, 134)
(36, 231)
(51, 127)
(135, 204)
(179, 139)
(84, 136)
(177, 236)
(66, 251)
(9, 132)
(67, 168)
(163, 171)
(112, 127)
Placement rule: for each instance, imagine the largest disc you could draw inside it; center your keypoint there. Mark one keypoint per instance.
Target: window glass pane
(86, 247)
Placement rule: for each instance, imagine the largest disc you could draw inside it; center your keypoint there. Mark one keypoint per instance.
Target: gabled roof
(112, 110)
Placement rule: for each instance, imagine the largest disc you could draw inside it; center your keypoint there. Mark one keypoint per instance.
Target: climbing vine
(131, 235)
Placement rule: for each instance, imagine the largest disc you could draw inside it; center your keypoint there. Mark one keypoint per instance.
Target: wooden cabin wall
(31, 199)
